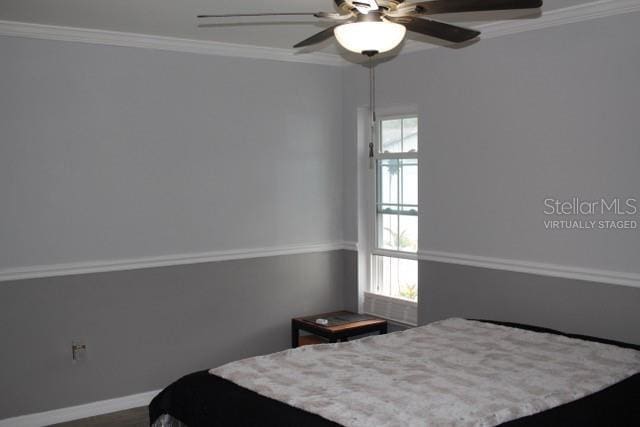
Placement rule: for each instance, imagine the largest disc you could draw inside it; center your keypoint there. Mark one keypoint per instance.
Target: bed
(455, 372)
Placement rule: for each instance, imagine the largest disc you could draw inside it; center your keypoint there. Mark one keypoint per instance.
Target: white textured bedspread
(454, 372)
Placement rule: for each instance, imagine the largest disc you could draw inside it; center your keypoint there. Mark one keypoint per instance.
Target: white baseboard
(71, 413)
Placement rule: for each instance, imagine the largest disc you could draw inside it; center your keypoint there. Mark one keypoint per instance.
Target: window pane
(398, 177)
(409, 184)
(410, 135)
(388, 232)
(388, 181)
(395, 277)
(408, 237)
(397, 216)
(399, 135)
(391, 136)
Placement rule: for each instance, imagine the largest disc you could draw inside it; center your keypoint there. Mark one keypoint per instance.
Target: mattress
(203, 399)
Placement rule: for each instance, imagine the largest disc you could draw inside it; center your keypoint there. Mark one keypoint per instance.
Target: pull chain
(372, 110)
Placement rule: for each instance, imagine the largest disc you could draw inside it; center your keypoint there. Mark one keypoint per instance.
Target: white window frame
(396, 309)
(378, 155)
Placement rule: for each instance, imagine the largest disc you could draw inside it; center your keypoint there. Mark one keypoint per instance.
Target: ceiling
(176, 18)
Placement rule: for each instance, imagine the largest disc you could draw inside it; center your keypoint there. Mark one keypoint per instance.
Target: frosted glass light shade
(379, 36)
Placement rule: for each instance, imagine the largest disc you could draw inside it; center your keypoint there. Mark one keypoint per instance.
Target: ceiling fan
(370, 27)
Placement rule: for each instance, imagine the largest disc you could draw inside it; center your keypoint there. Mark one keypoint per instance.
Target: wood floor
(136, 417)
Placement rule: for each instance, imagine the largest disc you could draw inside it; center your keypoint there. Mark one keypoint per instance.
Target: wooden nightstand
(342, 325)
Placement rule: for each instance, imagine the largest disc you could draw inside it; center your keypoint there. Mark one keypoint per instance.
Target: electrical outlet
(78, 351)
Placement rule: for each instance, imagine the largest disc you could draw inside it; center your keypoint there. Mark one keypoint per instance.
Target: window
(394, 265)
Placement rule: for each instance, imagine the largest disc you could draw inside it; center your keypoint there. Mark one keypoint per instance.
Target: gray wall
(512, 120)
(112, 153)
(146, 328)
(608, 311)
(505, 123)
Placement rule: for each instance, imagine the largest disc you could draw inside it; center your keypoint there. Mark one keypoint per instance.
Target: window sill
(394, 309)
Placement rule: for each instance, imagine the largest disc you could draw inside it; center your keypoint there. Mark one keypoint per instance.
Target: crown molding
(53, 270)
(173, 44)
(542, 269)
(578, 13)
(552, 18)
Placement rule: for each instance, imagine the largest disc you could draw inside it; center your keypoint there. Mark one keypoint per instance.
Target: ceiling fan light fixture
(376, 36)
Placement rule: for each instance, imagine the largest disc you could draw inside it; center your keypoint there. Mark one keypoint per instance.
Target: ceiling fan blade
(322, 15)
(241, 15)
(333, 15)
(448, 32)
(365, 6)
(318, 37)
(454, 6)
